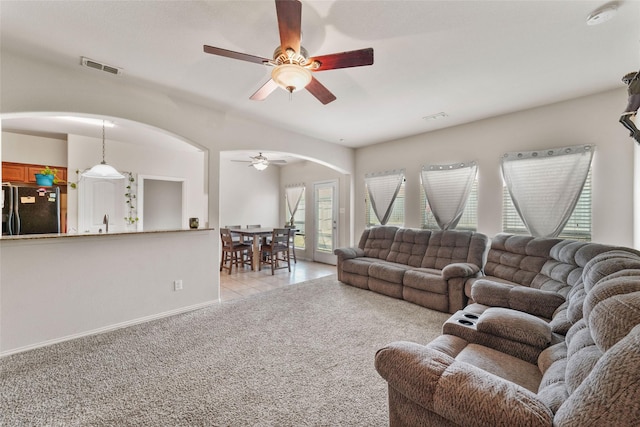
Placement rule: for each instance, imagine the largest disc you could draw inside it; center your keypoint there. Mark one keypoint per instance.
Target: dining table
(256, 234)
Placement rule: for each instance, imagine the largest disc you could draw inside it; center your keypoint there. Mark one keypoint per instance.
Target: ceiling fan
(260, 162)
(292, 64)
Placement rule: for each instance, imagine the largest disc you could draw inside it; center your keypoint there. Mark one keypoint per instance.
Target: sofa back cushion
(564, 268)
(599, 267)
(376, 241)
(602, 368)
(518, 259)
(451, 246)
(602, 355)
(409, 246)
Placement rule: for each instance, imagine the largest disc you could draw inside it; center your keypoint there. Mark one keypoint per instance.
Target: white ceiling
(469, 59)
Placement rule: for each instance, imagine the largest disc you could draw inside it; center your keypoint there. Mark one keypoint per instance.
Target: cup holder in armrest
(470, 316)
(465, 322)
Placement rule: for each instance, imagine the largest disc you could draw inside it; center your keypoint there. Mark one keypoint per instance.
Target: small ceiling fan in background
(260, 162)
(291, 62)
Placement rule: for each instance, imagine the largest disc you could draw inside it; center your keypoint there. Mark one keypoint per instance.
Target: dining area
(248, 274)
(256, 246)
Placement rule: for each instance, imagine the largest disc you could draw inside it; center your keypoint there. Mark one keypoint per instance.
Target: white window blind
(382, 190)
(397, 212)
(468, 220)
(545, 185)
(447, 189)
(578, 226)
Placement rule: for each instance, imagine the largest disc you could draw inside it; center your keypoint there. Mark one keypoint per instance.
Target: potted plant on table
(47, 177)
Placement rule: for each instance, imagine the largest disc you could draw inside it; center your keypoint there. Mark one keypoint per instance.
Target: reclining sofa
(588, 376)
(429, 268)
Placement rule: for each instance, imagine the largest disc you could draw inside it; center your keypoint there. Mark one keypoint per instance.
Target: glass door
(326, 221)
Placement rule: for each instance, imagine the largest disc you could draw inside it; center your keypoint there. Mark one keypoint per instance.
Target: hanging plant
(74, 184)
(130, 198)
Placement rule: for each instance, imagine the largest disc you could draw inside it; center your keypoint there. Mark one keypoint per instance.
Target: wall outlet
(177, 285)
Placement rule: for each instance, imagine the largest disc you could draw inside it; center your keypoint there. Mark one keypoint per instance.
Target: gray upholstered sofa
(586, 367)
(429, 268)
(533, 276)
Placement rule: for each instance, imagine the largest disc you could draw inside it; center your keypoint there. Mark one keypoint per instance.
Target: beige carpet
(295, 356)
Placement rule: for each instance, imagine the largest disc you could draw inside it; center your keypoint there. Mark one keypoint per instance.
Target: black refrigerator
(30, 210)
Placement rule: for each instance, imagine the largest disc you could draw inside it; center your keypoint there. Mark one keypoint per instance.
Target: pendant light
(103, 170)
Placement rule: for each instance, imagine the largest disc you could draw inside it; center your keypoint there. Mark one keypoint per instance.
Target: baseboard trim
(110, 327)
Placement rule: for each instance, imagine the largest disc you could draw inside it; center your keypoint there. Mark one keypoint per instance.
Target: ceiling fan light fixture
(291, 77)
(260, 165)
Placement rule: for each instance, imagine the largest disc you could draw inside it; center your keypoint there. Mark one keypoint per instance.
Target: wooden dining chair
(292, 243)
(276, 251)
(233, 252)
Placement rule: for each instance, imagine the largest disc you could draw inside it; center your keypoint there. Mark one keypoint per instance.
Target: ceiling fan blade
(319, 91)
(353, 58)
(277, 162)
(235, 55)
(289, 23)
(264, 91)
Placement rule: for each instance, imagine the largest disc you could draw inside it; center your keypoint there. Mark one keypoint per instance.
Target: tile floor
(245, 282)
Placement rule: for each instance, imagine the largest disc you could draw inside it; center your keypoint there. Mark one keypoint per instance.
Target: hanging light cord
(103, 161)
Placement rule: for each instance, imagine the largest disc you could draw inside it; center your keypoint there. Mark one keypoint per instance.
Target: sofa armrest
(459, 269)
(458, 391)
(515, 325)
(521, 298)
(347, 253)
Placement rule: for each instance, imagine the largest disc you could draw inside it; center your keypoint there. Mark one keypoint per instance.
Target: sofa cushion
(497, 363)
(516, 326)
(600, 266)
(425, 279)
(376, 241)
(409, 246)
(610, 394)
(518, 258)
(553, 363)
(447, 247)
(389, 272)
(612, 308)
(503, 365)
(358, 266)
(582, 356)
(522, 298)
(560, 324)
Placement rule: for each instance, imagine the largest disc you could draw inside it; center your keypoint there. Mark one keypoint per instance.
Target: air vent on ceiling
(90, 63)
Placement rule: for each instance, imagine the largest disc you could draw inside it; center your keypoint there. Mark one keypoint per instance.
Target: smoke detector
(90, 63)
(602, 14)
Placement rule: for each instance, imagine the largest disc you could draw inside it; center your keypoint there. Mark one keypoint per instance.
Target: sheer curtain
(293, 194)
(545, 185)
(447, 188)
(383, 188)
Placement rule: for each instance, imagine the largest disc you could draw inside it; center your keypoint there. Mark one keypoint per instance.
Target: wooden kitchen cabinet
(12, 172)
(20, 173)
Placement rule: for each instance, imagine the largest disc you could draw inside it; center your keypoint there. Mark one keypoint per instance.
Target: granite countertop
(80, 235)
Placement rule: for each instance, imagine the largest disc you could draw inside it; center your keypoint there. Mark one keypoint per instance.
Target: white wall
(162, 201)
(308, 173)
(34, 86)
(59, 288)
(37, 150)
(85, 152)
(589, 120)
(249, 196)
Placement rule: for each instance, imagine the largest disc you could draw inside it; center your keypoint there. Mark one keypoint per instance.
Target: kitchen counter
(64, 235)
(56, 287)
